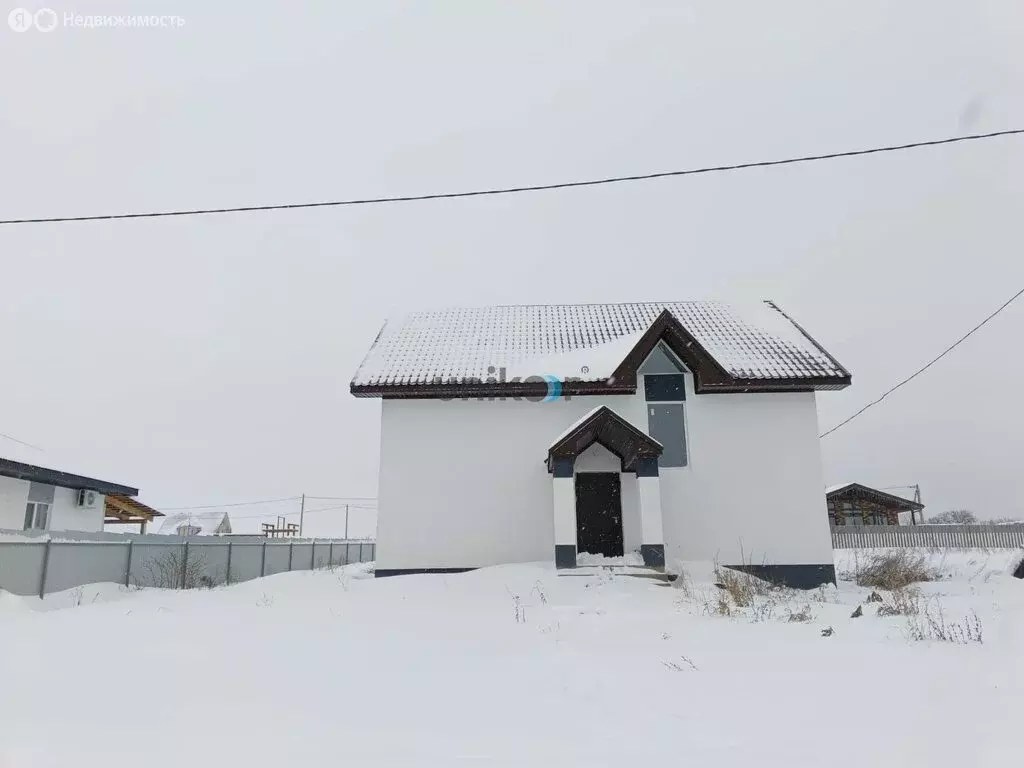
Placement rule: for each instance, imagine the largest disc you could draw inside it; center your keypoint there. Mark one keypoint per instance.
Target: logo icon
(45, 19)
(20, 20)
(554, 389)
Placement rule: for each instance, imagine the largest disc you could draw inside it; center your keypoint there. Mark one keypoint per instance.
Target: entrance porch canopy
(637, 452)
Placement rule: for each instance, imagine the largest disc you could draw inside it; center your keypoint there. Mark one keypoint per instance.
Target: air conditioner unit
(86, 498)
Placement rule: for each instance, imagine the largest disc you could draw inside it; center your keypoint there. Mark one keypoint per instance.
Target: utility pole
(302, 513)
(346, 522)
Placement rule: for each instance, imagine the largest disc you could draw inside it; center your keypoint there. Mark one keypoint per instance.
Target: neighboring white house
(202, 522)
(679, 431)
(34, 498)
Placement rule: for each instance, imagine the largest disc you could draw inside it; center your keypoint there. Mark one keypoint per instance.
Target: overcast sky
(207, 359)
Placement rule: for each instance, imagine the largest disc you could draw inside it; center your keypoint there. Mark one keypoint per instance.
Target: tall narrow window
(665, 424)
(665, 394)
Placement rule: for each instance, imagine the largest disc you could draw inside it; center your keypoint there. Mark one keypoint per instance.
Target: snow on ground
(505, 666)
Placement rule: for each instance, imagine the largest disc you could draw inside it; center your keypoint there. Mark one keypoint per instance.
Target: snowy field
(510, 666)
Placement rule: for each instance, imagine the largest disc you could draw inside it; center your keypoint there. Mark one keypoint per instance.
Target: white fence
(30, 567)
(929, 536)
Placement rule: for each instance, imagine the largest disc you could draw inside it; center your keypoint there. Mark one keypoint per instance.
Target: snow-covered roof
(585, 341)
(582, 420)
(208, 521)
(838, 487)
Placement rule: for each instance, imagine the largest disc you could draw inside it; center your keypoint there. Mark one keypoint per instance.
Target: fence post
(291, 551)
(312, 556)
(128, 566)
(330, 554)
(263, 560)
(360, 551)
(43, 570)
(184, 565)
(227, 577)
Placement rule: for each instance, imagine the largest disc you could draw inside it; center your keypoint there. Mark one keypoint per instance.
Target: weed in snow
(930, 624)
(539, 589)
(801, 616)
(675, 666)
(517, 605)
(902, 602)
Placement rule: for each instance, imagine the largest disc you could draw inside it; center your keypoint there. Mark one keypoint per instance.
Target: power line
(296, 512)
(930, 363)
(232, 504)
(21, 442)
(343, 498)
(268, 501)
(514, 190)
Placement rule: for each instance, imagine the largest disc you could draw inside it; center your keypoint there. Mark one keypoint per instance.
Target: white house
(679, 431)
(34, 498)
(202, 522)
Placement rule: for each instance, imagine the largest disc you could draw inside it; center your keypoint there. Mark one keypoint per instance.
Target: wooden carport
(124, 509)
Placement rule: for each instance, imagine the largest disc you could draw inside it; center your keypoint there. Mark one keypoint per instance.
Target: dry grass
(901, 602)
(741, 593)
(930, 624)
(893, 570)
(803, 615)
(744, 588)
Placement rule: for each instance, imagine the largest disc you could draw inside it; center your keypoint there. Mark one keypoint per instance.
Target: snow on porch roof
(586, 341)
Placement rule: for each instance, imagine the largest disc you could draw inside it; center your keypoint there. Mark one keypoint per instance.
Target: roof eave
(32, 473)
(583, 389)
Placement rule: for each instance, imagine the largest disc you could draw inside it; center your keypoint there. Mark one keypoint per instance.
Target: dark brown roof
(590, 349)
(605, 427)
(856, 491)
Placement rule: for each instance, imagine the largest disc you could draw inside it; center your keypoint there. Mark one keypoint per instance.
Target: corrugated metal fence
(929, 536)
(40, 567)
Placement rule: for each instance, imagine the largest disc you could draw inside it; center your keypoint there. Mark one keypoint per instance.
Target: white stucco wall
(13, 498)
(66, 516)
(464, 483)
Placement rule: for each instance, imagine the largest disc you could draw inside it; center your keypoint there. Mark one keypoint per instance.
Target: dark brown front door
(599, 513)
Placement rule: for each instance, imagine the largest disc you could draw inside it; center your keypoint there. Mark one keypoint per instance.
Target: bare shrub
(901, 602)
(931, 624)
(893, 570)
(954, 517)
(172, 570)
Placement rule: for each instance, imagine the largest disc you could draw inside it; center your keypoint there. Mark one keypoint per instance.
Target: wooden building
(856, 504)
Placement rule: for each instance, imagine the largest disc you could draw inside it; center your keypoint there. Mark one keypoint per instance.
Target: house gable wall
(464, 484)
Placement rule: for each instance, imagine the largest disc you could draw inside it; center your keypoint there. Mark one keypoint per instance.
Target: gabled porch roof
(606, 428)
